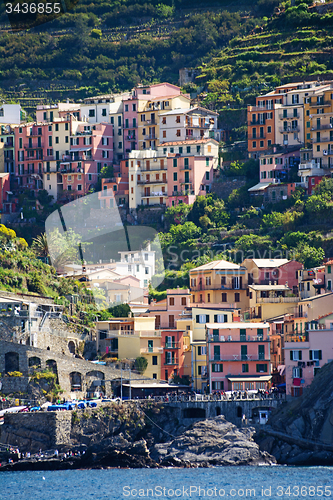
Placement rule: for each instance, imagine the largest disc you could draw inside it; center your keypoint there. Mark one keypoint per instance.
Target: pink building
(188, 177)
(238, 356)
(166, 313)
(304, 356)
(275, 167)
(90, 151)
(114, 192)
(278, 271)
(33, 145)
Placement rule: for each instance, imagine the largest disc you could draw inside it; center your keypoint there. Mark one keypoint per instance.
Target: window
(217, 367)
(91, 113)
(295, 355)
(66, 139)
(242, 335)
(175, 176)
(315, 355)
(183, 301)
(208, 280)
(202, 318)
(172, 301)
(237, 297)
(202, 350)
(261, 368)
(104, 112)
(66, 126)
(174, 162)
(261, 351)
(224, 297)
(154, 360)
(245, 368)
(297, 372)
(207, 176)
(79, 187)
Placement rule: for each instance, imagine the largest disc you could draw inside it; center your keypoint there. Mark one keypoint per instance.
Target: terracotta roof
(329, 263)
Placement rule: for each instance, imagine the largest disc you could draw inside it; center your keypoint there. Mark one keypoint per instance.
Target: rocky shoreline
(206, 443)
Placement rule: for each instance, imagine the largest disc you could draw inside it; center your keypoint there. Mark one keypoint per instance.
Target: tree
(309, 256)
(40, 246)
(120, 311)
(107, 172)
(325, 186)
(141, 364)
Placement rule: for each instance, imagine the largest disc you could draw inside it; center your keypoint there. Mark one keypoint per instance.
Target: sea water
(266, 482)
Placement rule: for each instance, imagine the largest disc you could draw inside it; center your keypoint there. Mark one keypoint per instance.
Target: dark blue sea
(277, 482)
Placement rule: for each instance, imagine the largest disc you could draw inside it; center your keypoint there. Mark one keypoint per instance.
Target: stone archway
(12, 362)
(35, 361)
(75, 379)
(71, 347)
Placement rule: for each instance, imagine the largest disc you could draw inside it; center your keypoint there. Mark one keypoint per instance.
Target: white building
(193, 123)
(11, 114)
(140, 264)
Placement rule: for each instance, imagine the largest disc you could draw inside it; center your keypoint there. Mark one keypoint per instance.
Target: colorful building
(238, 356)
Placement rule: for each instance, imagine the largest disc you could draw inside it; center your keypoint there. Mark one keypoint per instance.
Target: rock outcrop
(213, 441)
(301, 432)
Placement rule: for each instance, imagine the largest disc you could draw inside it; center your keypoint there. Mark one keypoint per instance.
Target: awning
(259, 187)
(9, 192)
(79, 150)
(250, 378)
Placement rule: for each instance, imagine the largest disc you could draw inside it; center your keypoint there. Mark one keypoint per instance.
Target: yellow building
(268, 301)
(130, 338)
(149, 111)
(220, 282)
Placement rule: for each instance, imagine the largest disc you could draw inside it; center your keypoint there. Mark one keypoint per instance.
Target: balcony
(276, 300)
(200, 288)
(151, 181)
(154, 194)
(240, 357)
(148, 122)
(150, 137)
(256, 122)
(288, 130)
(327, 126)
(319, 104)
(282, 117)
(131, 138)
(229, 338)
(295, 337)
(8, 144)
(257, 137)
(172, 345)
(39, 146)
(151, 350)
(170, 362)
(316, 140)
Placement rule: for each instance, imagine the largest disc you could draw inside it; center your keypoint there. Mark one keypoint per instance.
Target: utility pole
(121, 382)
(130, 389)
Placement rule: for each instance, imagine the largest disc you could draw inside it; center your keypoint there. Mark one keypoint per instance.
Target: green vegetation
(141, 364)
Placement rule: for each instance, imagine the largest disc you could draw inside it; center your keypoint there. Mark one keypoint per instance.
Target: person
(243, 420)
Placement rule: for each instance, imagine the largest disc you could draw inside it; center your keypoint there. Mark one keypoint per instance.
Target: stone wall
(34, 431)
(224, 187)
(65, 366)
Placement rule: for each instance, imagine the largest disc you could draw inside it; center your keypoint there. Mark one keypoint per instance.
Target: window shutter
(299, 355)
(215, 318)
(197, 318)
(310, 355)
(320, 355)
(226, 318)
(207, 318)
(199, 350)
(291, 355)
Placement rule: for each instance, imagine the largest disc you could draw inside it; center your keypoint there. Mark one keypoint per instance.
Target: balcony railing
(171, 362)
(275, 300)
(36, 146)
(151, 350)
(172, 345)
(199, 288)
(296, 337)
(240, 357)
(282, 117)
(323, 127)
(289, 130)
(321, 103)
(229, 338)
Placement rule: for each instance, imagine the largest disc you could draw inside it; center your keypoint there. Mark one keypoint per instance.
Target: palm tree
(40, 246)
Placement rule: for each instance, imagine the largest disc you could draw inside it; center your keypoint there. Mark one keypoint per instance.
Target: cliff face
(301, 432)
(130, 435)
